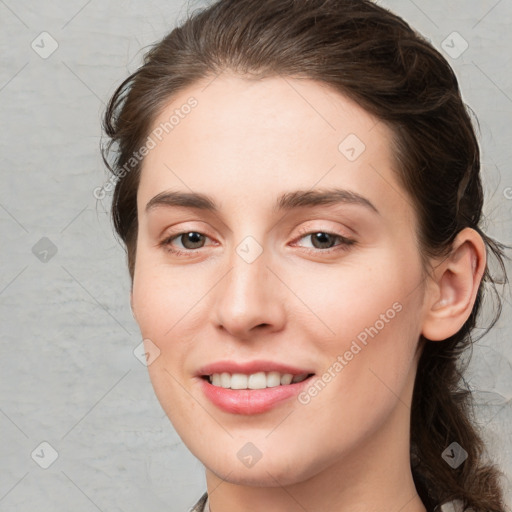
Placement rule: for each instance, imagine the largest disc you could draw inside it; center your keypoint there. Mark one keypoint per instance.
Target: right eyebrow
(183, 199)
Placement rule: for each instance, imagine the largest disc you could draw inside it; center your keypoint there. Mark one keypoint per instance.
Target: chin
(257, 478)
(264, 473)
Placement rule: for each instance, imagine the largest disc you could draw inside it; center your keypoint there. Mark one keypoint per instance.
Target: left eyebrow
(310, 198)
(183, 199)
(286, 201)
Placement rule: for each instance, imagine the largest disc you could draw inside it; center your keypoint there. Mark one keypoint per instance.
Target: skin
(244, 144)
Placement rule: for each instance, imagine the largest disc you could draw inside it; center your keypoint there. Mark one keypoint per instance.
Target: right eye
(190, 242)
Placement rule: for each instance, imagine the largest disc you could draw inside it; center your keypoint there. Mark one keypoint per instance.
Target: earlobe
(456, 280)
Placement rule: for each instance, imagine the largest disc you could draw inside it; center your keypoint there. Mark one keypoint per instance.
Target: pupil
(321, 238)
(193, 238)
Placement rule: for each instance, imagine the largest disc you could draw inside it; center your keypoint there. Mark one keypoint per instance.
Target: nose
(249, 299)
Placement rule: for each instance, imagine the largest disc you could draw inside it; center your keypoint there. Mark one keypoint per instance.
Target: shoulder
(451, 506)
(200, 505)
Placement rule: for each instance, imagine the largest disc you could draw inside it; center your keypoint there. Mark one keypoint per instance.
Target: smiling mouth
(258, 380)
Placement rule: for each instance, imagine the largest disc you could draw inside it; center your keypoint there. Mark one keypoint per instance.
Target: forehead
(259, 138)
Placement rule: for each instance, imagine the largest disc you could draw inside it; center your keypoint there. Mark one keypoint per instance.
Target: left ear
(452, 291)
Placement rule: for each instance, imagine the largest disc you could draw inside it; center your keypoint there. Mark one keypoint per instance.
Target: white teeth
(239, 381)
(273, 379)
(225, 380)
(259, 380)
(286, 378)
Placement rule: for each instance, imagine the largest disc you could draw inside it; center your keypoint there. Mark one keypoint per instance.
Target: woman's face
(303, 260)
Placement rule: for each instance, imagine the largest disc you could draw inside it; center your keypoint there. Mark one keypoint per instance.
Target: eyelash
(343, 246)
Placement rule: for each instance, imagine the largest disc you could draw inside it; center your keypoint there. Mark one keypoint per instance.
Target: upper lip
(250, 367)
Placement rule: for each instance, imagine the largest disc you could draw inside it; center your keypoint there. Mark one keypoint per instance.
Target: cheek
(166, 301)
(367, 364)
(164, 304)
(370, 319)
(362, 294)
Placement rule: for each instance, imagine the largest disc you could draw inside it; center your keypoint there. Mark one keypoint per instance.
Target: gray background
(68, 370)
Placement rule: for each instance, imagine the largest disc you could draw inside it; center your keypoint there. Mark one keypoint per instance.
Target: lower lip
(250, 401)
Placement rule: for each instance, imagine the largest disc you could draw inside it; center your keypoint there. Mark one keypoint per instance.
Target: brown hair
(376, 59)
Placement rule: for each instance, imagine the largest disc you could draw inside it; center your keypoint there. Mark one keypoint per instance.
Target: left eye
(321, 240)
(325, 240)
